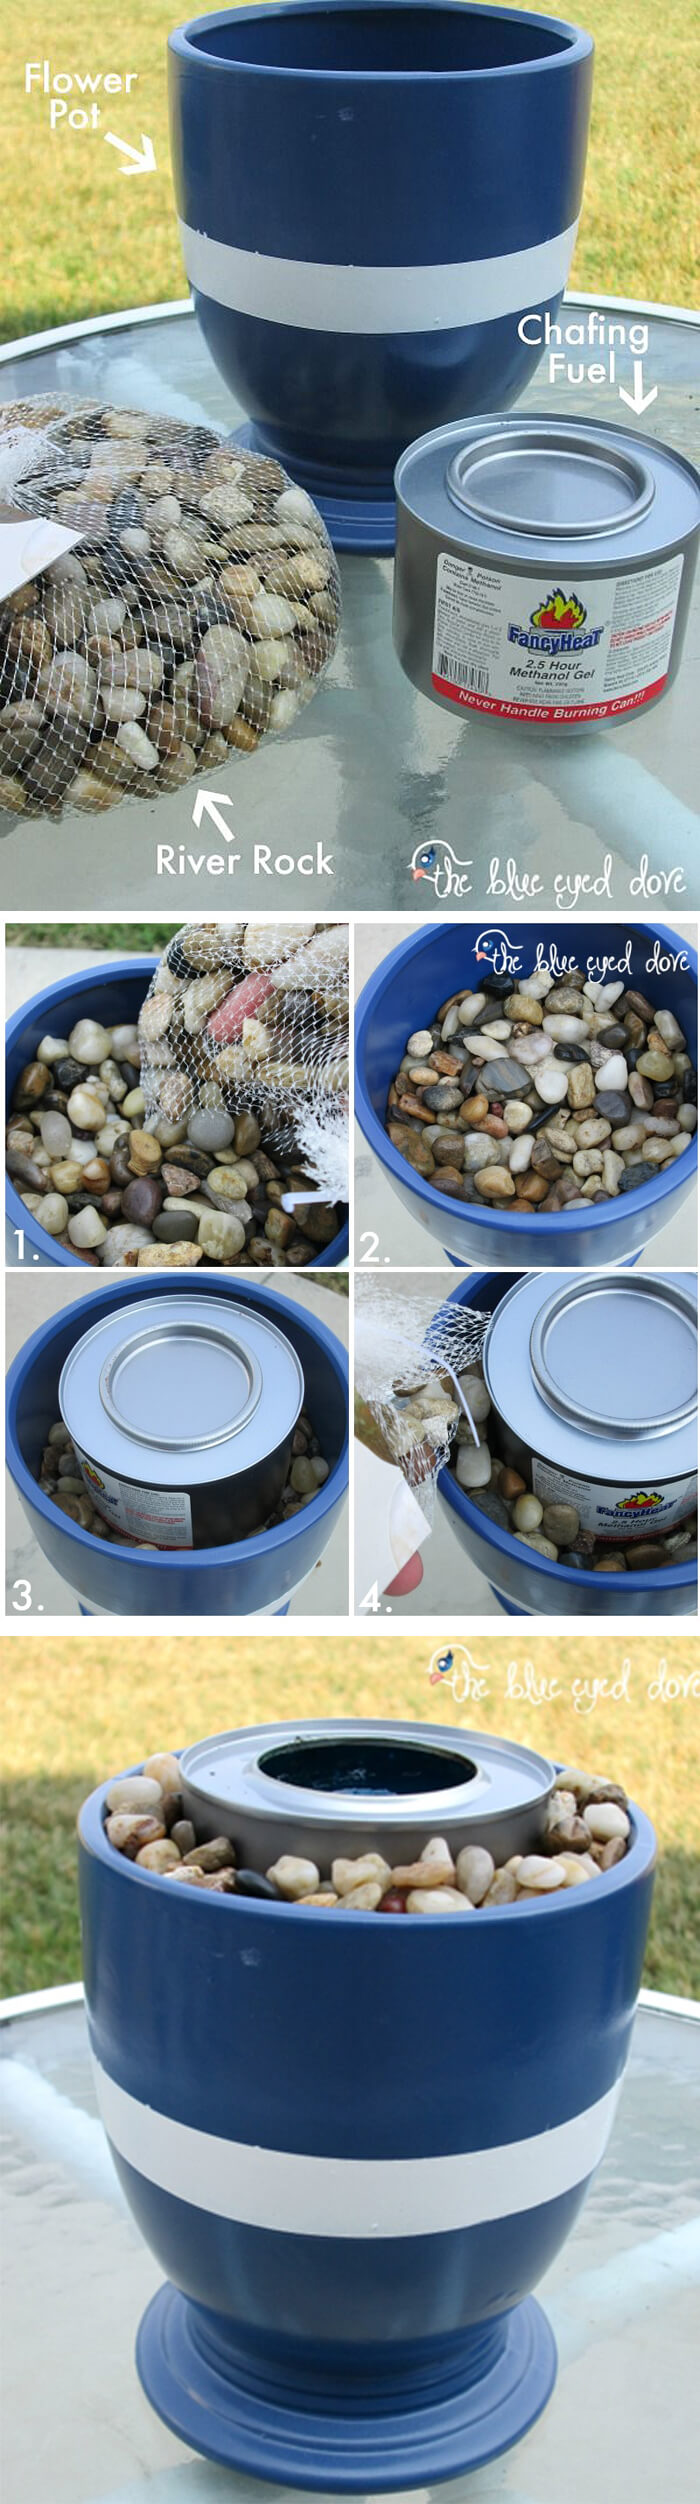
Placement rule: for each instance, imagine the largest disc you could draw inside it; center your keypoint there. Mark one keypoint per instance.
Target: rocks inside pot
(60, 1478)
(173, 1142)
(588, 1830)
(533, 1095)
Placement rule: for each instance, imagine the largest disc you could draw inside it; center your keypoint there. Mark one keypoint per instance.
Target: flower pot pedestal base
(359, 511)
(108, 1612)
(629, 1260)
(381, 2433)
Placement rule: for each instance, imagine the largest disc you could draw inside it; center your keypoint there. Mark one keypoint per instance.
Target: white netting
(417, 1379)
(196, 615)
(251, 1018)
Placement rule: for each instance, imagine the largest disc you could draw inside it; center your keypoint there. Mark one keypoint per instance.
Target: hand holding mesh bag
(196, 615)
(244, 1072)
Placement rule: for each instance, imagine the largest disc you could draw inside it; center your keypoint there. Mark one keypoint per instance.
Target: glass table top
(373, 773)
(622, 2299)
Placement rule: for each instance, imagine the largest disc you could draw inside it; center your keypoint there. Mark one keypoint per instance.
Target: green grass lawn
(79, 1709)
(81, 238)
(126, 938)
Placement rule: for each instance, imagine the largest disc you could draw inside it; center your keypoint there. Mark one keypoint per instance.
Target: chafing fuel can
(594, 1385)
(544, 568)
(324, 1788)
(182, 1418)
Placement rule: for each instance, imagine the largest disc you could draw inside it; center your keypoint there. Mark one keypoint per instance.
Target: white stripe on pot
(328, 296)
(351, 2197)
(273, 1607)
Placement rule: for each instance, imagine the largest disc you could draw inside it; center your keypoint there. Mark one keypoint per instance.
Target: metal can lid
(339, 1774)
(538, 486)
(163, 1376)
(593, 1366)
(200, 1390)
(534, 480)
(584, 1369)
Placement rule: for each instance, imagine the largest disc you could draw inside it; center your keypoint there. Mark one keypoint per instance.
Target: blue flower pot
(252, 1577)
(354, 2145)
(369, 199)
(114, 993)
(527, 1584)
(403, 996)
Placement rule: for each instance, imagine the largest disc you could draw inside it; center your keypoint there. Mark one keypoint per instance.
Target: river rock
(495, 1182)
(538, 1876)
(140, 1792)
(142, 1200)
(475, 1872)
(473, 1465)
(488, 1501)
(220, 1235)
(605, 1820)
(560, 1522)
(527, 1512)
(211, 1129)
(568, 1048)
(131, 1829)
(552, 1082)
(293, 1876)
(176, 1224)
(218, 1853)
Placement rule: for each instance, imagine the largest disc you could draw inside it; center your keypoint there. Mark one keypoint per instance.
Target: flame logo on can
(639, 1503)
(559, 612)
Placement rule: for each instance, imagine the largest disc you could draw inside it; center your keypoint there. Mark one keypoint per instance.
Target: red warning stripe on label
(509, 711)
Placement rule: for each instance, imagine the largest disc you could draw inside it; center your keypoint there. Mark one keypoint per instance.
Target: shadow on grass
(40, 1929)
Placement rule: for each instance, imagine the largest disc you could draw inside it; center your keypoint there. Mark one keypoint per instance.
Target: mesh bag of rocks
(194, 616)
(419, 1389)
(244, 1073)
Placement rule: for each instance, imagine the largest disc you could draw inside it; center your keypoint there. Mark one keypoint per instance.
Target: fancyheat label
(160, 1516)
(531, 649)
(617, 1513)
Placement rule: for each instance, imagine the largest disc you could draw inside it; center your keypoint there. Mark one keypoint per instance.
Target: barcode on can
(463, 674)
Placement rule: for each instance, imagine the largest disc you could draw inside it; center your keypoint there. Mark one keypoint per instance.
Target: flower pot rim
(557, 1226)
(639, 1859)
(238, 1550)
(668, 1577)
(117, 969)
(572, 43)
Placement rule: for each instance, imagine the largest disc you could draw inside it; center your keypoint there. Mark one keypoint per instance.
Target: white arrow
(210, 804)
(638, 399)
(143, 158)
